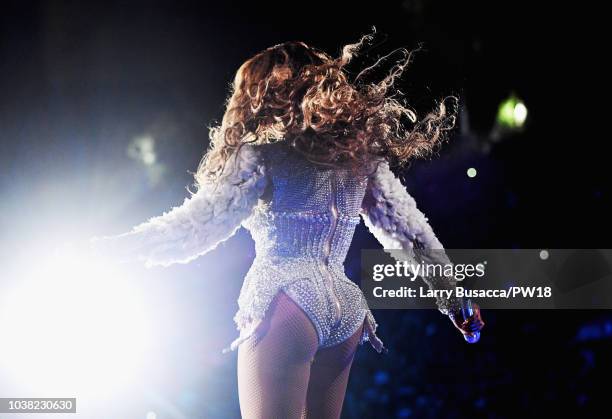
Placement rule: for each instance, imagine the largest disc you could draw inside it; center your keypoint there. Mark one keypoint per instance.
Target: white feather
(392, 216)
(205, 219)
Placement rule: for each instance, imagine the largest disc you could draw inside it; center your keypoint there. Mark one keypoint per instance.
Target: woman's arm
(392, 216)
(208, 217)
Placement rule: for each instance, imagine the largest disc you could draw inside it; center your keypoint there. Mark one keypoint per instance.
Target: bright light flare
(520, 113)
(142, 149)
(73, 326)
(512, 113)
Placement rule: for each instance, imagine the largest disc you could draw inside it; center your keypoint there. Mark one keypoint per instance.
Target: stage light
(73, 326)
(142, 149)
(520, 113)
(471, 172)
(512, 113)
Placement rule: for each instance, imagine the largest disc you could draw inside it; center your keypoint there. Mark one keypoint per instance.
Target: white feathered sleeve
(392, 216)
(208, 217)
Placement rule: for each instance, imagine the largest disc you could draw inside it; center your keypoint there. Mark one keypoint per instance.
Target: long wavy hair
(298, 94)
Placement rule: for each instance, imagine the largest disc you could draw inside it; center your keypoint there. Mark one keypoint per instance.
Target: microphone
(467, 311)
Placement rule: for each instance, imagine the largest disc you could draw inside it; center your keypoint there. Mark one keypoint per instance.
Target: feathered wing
(392, 216)
(205, 219)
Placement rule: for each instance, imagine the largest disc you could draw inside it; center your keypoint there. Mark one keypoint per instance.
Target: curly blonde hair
(296, 93)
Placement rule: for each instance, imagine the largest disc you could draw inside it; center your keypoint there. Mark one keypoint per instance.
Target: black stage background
(81, 80)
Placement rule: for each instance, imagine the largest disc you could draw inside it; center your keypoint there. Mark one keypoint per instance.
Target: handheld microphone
(467, 311)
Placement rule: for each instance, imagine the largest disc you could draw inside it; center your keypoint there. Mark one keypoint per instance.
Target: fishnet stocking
(274, 367)
(282, 375)
(329, 376)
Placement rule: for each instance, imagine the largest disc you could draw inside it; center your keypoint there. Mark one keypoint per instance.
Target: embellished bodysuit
(302, 217)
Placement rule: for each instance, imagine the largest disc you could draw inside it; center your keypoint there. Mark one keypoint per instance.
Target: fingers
(473, 324)
(473, 327)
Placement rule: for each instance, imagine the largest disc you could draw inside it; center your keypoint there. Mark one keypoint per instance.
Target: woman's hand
(470, 325)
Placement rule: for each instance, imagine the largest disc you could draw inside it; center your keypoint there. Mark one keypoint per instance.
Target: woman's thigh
(329, 376)
(274, 365)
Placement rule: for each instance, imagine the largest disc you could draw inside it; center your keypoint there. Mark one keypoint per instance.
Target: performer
(300, 155)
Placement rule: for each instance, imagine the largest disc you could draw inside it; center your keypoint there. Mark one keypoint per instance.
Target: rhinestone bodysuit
(302, 234)
(302, 217)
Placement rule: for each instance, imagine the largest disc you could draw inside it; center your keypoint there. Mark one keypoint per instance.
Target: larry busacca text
(460, 292)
